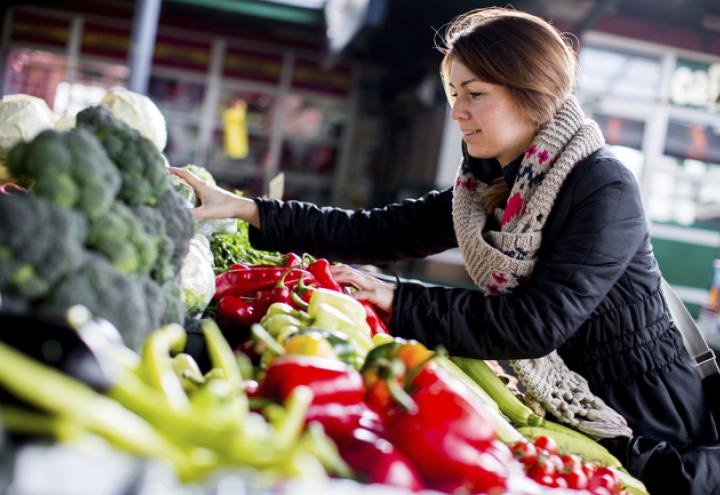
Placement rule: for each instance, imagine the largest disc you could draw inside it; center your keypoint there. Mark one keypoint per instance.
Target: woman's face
(491, 123)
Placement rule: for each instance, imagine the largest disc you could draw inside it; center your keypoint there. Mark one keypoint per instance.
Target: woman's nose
(457, 111)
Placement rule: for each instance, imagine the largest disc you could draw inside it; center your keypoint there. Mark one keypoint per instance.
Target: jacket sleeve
(412, 228)
(576, 269)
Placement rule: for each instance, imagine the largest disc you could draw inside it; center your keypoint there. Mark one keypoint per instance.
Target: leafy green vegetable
(228, 249)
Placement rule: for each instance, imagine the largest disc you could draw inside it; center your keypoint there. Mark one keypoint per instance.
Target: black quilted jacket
(594, 296)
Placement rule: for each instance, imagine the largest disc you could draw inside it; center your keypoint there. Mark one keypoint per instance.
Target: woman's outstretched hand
(216, 202)
(369, 288)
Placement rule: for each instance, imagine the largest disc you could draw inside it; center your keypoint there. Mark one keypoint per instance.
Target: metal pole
(142, 43)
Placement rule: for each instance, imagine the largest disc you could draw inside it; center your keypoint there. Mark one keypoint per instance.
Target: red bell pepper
(320, 269)
(377, 461)
(6, 186)
(448, 438)
(330, 381)
(340, 420)
(235, 311)
(248, 282)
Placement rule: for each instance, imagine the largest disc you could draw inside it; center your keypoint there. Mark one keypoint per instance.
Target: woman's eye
(475, 94)
(453, 95)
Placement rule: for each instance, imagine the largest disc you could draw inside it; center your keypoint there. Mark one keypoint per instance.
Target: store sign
(696, 84)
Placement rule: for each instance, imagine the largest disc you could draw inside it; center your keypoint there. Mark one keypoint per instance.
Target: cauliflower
(139, 112)
(197, 276)
(22, 117)
(207, 227)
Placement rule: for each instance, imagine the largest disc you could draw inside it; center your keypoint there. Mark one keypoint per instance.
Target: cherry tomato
(543, 443)
(601, 480)
(523, 449)
(541, 469)
(576, 479)
(571, 462)
(617, 483)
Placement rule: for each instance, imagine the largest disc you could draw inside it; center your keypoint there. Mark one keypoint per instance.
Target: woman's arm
(412, 228)
(577, 268)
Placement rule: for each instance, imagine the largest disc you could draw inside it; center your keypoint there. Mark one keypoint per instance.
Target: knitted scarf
(498, 261)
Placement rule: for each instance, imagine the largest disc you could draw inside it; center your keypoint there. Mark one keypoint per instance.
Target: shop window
(624, 138)
(172, 94)
(49, 76)
(611, 72)
(685, 191)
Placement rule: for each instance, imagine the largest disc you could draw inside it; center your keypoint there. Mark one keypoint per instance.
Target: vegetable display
(178, 341)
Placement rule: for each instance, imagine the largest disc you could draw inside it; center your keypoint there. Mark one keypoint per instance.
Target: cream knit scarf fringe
(499, 261)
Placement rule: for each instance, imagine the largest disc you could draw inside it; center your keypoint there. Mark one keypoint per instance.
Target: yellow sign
(235, 130)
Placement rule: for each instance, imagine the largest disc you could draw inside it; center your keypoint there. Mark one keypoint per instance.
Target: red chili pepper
(377, 461)
(373, 320)
(291, 260)
(340, 420)
(239, 266)
(4, 188)
(448, 437)
(280, 293)
(237, 312)
(320, 269)
(330, 381)
(303, 292)
(248, 282)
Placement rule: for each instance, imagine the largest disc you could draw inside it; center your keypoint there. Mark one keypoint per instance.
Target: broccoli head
(133, 303)
(142, 167)
(40, 242)
(69, 168)
(121, 237)
(154, 225)
(179, 224)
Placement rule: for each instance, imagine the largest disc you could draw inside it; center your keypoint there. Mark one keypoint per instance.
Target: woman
(552, 231)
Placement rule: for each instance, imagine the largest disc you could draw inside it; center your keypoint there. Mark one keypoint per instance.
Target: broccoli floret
(144, 176)
(129, 301)
(40, 242)
(179, 225)
(70, 169)
(174, 306)
(154, 224)
(122, 238)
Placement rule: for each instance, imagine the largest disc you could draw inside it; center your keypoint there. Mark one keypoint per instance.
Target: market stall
(150, 350)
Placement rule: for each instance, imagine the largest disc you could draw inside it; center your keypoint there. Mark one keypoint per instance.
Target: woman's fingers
(369, 288)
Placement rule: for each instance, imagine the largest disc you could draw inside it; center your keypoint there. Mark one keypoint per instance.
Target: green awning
(263, 9)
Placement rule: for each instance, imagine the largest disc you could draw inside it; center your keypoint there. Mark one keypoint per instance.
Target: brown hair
(519, 51)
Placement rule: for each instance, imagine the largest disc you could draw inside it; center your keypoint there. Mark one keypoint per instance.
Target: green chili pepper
(57, 393)
(158, 365)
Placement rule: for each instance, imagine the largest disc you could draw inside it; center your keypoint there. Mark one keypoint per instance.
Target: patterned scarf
(498, 261)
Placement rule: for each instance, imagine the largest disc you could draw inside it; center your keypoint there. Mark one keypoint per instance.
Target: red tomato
(523, 449)
(541, 469)
(617, 483)
(543, 443)
(601, 480)
(571, 462)
(576, 479)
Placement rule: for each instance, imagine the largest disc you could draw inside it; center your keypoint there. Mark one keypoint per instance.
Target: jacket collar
(489, 169)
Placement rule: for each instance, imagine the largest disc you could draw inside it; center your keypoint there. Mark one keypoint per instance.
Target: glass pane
(620, 131)
(182, 141)
(175, 95)
(693, 140)
(685, 191)
(312, 117)
(47, 75)
(612, 72)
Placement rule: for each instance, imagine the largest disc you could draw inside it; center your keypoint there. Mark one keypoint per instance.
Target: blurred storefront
(247, 107)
